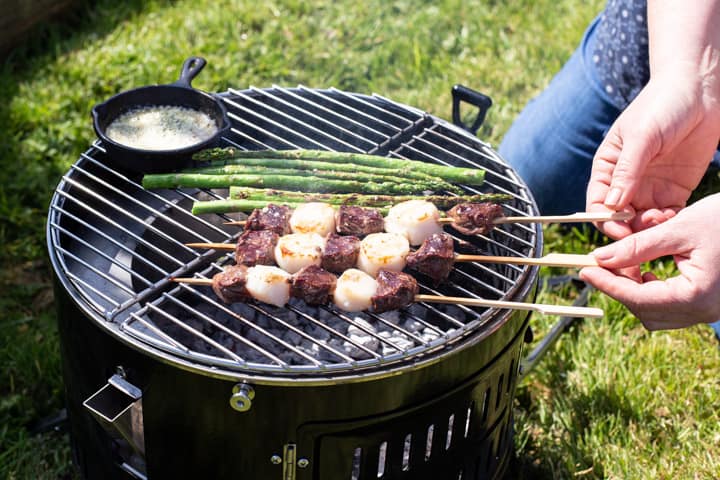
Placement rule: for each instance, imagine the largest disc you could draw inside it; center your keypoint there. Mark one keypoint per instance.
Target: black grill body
(438, 408)
(191, 432)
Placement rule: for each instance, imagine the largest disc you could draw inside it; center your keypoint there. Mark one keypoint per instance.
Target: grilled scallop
(299, 250)
(269, 284)
(383, 251)
(414, 219)
(313, 217)
(354, 291)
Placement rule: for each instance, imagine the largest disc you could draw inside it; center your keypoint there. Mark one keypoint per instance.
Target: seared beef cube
(395, 290)
(340, 253)
(275, 218)
(229, 285)
(352, 220)
(475, 218)
(435, 257)
(256, 247)
(313, 285)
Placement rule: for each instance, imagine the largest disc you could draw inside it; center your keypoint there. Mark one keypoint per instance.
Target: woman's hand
(692, 237)
(656, 152)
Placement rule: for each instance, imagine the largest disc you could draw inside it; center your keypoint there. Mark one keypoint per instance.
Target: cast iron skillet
(179, 94)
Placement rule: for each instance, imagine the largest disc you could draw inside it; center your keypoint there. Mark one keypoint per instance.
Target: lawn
(611, 400)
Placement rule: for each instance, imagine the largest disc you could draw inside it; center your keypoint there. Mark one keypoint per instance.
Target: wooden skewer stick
(578, 217)
(566, 311)
(549, 260)
(215, 246)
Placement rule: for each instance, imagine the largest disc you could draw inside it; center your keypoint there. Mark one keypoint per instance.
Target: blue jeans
(552, 142)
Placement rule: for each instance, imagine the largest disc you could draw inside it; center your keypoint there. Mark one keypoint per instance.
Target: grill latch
(289, 456)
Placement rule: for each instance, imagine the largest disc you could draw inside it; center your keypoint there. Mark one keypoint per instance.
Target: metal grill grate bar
(103, 275)
(321, 120)
(142, 237)
(104, 255)
(192, 331)
(334, 114)
(124, 230)
(157, 214)
(294, 131)
(87, 287)
(108, 238)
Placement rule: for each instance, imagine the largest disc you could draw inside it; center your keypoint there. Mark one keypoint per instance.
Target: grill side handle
(461, 93)
(117, 406)
(544, 344)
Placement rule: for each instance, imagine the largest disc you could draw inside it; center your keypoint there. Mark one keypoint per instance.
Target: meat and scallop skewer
(336, 253)
(313, 217)
(353, 291)
(436, 258)
(415, 220)
(298, 250)
(272, 217)
(340, 253)
(317, 217)
(358, 221)
(256, 247)
(269, 284)
(418, 219)
(382, 251)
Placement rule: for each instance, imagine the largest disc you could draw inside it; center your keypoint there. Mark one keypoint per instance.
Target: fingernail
(613, 197)
(602, 254)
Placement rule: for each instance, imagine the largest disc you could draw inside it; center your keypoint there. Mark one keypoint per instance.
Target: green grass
(609, 401)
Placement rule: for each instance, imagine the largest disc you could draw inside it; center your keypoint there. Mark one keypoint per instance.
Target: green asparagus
(443, 202)
(468, 176)
(244, 205)
(434, 183)
(239, 169)
(312, 183)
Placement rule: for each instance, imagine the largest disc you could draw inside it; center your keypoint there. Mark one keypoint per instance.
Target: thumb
(641, 247)
(626, 175)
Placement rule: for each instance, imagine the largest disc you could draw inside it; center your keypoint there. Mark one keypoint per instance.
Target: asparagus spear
(468, 176)
(389, 176)
(173, 180)
(228, 206)
(435, 183)
(443, 202)
(244, 205)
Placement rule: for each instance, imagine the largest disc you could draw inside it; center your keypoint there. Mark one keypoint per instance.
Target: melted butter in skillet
(161, 128)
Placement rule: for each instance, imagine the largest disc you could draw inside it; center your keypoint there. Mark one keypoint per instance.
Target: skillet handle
(191, 67)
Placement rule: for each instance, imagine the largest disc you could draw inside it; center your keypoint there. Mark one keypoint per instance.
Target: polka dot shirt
(620, 50)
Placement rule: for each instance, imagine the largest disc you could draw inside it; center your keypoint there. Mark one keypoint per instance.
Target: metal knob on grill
(242, 397)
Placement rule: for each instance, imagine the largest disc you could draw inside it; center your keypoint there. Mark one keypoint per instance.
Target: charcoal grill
(164, 381)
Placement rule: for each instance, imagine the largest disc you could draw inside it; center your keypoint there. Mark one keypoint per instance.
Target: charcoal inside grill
(296, 333)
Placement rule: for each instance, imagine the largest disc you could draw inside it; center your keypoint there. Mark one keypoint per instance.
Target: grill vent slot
(407, 446)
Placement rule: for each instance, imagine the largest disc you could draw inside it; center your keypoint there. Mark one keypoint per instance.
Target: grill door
(464, 434)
